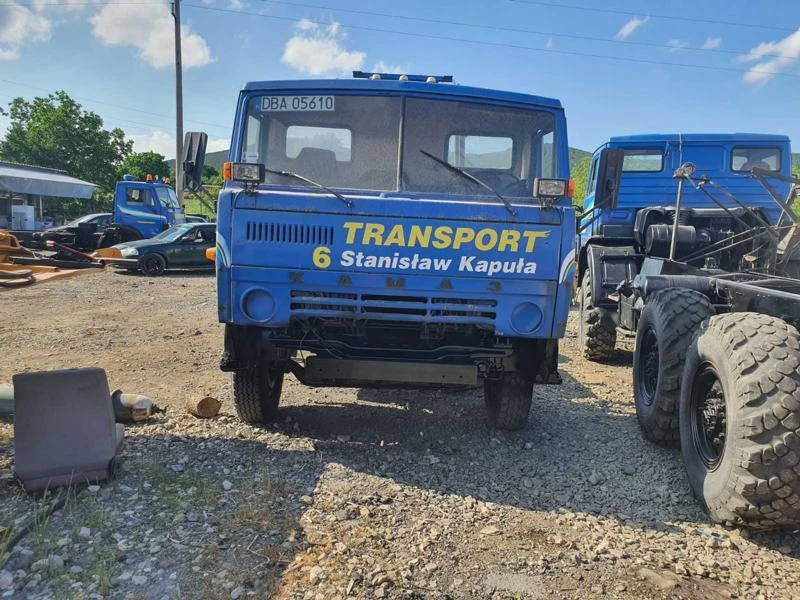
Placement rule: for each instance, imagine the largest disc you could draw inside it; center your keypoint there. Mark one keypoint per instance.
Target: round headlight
(526, 317)
(258, 304)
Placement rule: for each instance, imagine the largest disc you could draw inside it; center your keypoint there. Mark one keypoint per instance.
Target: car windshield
(79, 220)
(167, 197)
(354, 142)
(173, 233)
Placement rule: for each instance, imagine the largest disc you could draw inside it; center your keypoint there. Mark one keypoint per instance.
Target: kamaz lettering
(442, 237)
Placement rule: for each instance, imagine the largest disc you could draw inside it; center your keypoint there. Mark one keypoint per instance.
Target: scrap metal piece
(64, 430)
(131, 408)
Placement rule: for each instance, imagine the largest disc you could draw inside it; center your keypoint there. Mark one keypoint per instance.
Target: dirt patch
(355, 493)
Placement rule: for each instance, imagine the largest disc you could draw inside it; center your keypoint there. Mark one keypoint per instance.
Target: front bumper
(275, 297)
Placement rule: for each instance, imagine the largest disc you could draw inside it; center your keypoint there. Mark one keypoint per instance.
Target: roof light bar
(404, 77)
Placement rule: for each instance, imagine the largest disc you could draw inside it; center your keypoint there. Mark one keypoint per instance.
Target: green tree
(56, 132)
(142, 164)
(579, 170)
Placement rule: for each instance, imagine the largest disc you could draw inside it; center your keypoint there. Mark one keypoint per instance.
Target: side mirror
(609, 172)
(194, 157)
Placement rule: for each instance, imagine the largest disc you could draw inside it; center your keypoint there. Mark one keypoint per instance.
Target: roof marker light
(375, 76)
(149, 178)
(430, 79)
(403, 78)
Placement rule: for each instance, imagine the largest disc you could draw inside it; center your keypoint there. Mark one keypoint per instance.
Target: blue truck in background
(394, 230)
(614, 240)
(142, 209)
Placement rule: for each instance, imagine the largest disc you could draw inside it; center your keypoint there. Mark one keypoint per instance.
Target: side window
(744, 159)
(643, 160)
(252, 140)
(591, 183)
(480, 151)
(548, 156)
(312, 143)
(138, 196)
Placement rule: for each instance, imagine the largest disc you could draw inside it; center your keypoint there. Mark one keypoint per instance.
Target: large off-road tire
(740, 420)
(257, 393)
(152, 264)
(508, 400)
(597, 332)
(666, 328)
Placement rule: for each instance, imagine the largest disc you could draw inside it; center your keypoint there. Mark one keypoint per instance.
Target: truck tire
(508, 400)
(257, 393)
(597, 334)
(740, 420)
(152, 264)
(663, 335)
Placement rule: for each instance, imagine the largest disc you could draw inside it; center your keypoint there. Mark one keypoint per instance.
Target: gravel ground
(355, 493)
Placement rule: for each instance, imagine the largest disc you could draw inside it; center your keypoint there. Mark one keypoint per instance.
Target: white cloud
(150, 30)
(316, 50)
(677, 44)
(236, 5)
(18, 26)
(773, 57)
(384, 67)
(712, 43)
(164, 143)
(630, 27)
(550, 43)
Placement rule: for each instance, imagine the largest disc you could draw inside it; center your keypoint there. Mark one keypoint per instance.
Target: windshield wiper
(344, 199)
(471, 177)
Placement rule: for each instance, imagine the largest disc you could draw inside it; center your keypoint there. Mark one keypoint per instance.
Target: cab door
(139, 209)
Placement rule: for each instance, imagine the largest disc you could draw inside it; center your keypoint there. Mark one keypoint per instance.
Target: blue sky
(116, 59)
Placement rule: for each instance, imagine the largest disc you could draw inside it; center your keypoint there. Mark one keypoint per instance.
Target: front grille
(389, 307)
(288, 233)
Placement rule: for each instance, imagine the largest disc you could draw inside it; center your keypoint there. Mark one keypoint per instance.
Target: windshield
(167, 197)
(173, 233)
(79, 220)
(353, 142)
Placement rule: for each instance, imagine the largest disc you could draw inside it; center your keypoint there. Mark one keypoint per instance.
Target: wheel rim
(709, 416)
(648, 366)
(152, 264)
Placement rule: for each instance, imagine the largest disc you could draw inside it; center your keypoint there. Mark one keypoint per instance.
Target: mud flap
(608, 267)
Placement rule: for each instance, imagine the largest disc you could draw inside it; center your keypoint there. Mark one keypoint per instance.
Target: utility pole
(176, 13)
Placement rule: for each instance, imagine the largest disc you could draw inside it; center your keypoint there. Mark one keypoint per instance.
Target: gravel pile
(355, 493)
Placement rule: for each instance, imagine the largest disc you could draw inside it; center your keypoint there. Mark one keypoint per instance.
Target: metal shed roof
(40, 181)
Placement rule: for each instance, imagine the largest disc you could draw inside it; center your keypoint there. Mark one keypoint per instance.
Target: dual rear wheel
(727, 386)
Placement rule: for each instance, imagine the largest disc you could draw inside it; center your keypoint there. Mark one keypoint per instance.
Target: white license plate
(297, 103)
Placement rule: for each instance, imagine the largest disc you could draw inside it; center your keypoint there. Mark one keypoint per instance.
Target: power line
(652, 15)
(520, 30)
(502, 44)
(26, 4)
(120, 106)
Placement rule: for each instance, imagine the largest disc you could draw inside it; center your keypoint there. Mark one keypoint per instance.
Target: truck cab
(394, 230)
(614, 240)
(143, 209)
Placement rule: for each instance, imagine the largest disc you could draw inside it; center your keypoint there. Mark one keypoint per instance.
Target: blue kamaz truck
(724, 201)
(393, 230)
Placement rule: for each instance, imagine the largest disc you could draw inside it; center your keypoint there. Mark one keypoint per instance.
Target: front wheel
(597, 332)
(152, 265)
(740, 420)
(508, 400)
(257, 393)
